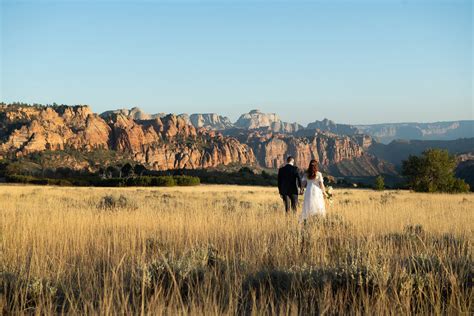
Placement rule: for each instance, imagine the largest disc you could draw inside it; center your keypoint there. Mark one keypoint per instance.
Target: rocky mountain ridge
(161, 143)
(171, 142)
(134, 113)
(337, 155)
(210, 121)
(398, 150)
(450, 130)
(257, 120)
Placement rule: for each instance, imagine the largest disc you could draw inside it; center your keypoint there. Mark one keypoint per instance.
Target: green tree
(112, 171)
(433, 171)
(127, 170)
(379, 183)
(139, 169)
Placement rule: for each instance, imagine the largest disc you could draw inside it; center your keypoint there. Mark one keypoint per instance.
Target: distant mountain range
(208, 140)
(384, 133)
(399, 150)
(419, 131)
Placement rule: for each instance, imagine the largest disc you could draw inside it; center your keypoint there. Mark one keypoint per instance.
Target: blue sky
(350, 61)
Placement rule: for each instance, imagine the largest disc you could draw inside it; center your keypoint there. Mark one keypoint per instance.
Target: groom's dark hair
(290, 159)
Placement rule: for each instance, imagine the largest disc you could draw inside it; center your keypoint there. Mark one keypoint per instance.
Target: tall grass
(227, 250)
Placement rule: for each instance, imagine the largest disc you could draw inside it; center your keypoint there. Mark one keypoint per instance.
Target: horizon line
(233, 121)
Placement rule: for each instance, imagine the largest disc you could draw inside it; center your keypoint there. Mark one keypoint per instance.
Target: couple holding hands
(291, 184)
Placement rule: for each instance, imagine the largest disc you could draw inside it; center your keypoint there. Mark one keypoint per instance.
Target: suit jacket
(289, 180)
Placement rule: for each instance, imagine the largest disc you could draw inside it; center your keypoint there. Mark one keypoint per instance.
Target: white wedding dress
(313, 203)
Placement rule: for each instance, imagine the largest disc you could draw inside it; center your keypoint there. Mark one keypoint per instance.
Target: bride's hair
(312, 169)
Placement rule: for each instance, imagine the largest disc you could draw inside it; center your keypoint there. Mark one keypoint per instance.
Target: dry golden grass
(231, 249)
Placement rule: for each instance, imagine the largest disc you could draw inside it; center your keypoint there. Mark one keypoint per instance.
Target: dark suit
(289, 184)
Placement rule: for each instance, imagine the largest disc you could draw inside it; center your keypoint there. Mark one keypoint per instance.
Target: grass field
(232, 250)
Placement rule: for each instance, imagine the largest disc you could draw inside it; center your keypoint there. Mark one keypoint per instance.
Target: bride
(314, 194)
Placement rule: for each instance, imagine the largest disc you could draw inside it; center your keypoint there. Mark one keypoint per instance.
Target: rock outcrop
(211, 121)
(256, 120)
(330, 126)
(339, 155)
(134, 113)
(170, 143)
(30, 129)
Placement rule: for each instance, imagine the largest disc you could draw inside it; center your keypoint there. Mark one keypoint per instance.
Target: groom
(289, 184)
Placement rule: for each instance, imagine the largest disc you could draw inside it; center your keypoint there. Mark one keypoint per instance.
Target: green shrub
(379, 183)
(112, 182)
(459, 185)
(22, 168)
(110, 202)
(186, 272)
(160, 181)
(62, 182)
(187, 180)
(163, 181)
(81, 182)
(16, 178)
(139, 181)
(39, 181)
(3, 167)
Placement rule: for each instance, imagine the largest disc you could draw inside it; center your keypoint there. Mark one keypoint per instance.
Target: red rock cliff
(162, 143)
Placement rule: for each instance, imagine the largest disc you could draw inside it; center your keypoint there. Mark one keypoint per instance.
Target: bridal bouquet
(329, 194)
